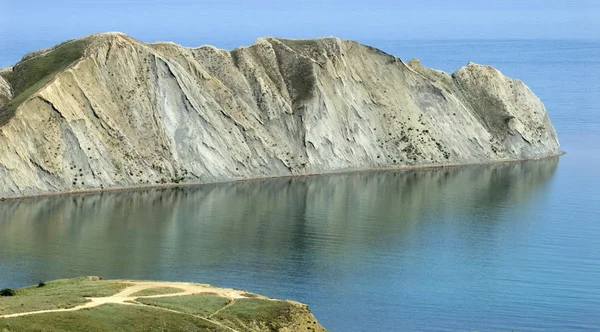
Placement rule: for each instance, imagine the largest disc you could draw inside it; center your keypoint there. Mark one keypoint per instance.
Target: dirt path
(225, 307)
(126, 297)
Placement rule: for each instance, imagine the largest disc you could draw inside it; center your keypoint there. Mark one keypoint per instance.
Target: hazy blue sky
(34, 24)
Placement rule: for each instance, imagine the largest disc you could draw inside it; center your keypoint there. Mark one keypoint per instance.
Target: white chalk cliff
(125, 113)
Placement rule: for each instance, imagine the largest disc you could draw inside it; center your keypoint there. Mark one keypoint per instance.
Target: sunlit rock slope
(109, 111)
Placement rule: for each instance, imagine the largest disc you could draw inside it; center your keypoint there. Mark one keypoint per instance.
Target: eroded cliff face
(5, 92)
(128, 113)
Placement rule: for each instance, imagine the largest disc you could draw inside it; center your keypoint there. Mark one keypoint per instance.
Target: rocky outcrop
(126, 113)
(5, 92)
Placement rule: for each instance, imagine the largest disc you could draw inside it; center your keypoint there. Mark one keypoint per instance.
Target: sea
(501, 247)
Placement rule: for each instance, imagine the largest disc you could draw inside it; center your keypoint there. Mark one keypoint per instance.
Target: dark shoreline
(197, 184)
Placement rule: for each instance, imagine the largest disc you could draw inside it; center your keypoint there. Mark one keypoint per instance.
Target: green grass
(158, 291)
(57, 294)
(199, 304)
(243, 314)
(109, 318)
(30, 75)
(246, 314)
(171, 313)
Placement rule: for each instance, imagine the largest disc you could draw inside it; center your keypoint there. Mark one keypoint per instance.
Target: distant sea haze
(501, 247)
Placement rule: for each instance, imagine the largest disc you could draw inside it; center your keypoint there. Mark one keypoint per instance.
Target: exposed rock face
(128, 113)
(5, 92)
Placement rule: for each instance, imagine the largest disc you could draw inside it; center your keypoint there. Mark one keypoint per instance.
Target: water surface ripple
(466, 248)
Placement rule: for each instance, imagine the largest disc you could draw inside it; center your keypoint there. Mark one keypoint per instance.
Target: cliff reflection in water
(257, 231)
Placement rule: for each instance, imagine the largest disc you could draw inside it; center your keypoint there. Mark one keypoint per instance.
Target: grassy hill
(90, 304)
(32, 73)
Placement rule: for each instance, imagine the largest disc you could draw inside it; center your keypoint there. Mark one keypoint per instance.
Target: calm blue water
(508, 247)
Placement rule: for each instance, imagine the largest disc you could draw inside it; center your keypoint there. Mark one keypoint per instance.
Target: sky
(28, 25)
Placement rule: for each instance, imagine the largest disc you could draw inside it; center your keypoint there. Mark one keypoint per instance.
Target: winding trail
(225, 307)
(127, 297)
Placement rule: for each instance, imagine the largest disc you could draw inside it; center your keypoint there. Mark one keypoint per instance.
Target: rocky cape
(109, 111)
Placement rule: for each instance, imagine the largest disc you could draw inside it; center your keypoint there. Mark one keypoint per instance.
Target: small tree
(7, 292)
